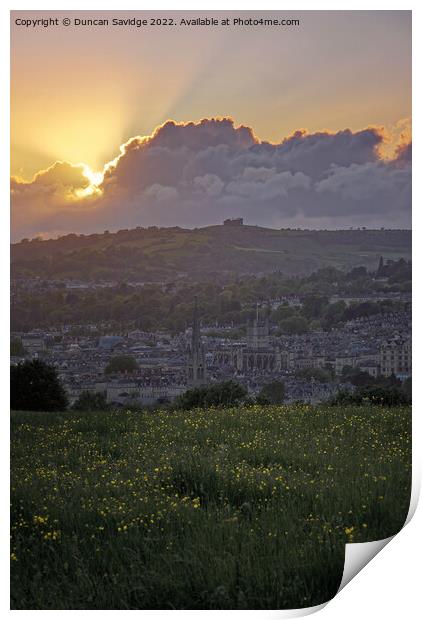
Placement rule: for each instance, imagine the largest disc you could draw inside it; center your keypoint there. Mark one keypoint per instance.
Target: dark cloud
(197, 173)
(202, 135)
(404, 153)
(374, 188)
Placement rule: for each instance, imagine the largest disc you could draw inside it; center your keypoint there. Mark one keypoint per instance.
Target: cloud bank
(194, 174)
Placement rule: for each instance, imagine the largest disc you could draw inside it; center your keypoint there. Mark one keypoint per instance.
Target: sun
(95, 179)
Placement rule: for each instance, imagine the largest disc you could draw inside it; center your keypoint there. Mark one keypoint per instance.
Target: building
(285, 300)
(235, 221)
(109, 342)
(33, 344)
(197, 367)
(367, 362)
(122, 392)
(259, 354)
(302, 362)
(372, 368)
(258, 333)
(396, 358)
(127, 393)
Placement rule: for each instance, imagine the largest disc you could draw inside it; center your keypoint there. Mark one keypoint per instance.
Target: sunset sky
(78, 93)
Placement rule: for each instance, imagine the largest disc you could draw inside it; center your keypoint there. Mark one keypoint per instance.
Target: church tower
(258, 332)
(197, 368)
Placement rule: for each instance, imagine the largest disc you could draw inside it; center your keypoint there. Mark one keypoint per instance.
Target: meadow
(246, 508)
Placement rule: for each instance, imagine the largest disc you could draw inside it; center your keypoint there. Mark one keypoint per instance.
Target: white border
(389, 585)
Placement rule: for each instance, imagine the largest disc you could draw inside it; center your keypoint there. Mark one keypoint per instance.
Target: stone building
(259, 354)
(396, 358)
(233, 221)
(365, 362)
(33, 344)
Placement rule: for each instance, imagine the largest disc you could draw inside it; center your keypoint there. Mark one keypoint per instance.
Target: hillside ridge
(167, 253)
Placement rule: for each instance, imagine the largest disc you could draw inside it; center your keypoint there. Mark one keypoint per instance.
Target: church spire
(197, 372)
(196, 334)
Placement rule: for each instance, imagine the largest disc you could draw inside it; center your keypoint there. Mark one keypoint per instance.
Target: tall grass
(209, 509)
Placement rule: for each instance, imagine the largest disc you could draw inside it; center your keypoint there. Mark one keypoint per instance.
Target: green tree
(334, 313)
(362, 379)
(88, 401)
(391, 396)
(273, 393)
(407, 387)
(121, 363)
(282, 312)
(294, 325)
(35, 386)
(357, 377)
(313, 307)
(387, 397)
(16, 347)
(323, 375)
(357, 272)
(226, 394)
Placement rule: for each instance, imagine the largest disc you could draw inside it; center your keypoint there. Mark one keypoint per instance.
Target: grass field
(238, 508)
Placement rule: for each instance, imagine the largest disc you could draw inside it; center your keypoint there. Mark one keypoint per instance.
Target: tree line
(35, 386)
(169, 306)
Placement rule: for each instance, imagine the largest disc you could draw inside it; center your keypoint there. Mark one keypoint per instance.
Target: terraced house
(396, 358)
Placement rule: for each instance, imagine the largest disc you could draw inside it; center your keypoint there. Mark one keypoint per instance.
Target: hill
(151, 254)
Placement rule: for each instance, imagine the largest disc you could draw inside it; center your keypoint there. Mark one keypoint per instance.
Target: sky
(112, 127)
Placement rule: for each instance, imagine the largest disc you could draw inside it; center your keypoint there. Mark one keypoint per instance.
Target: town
(131, 366)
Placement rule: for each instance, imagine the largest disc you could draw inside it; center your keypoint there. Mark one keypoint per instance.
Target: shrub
(226, 394)
(273, 393)
(384, 396)
(88, 401)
